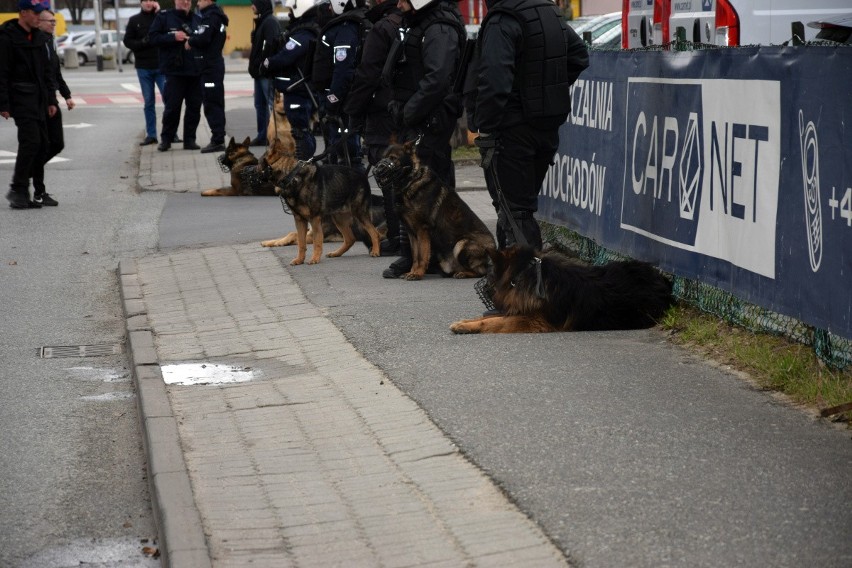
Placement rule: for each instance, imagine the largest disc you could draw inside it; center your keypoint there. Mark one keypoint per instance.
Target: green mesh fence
(832, 349)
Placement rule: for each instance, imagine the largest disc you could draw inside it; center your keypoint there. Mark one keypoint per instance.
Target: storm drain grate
(100, 350)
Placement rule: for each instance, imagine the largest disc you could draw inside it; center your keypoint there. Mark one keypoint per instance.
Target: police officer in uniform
(527, 57)
(289, 69)
(209, 40)
(424, 103)
(169, 32)
(333, 70)
(368, 100)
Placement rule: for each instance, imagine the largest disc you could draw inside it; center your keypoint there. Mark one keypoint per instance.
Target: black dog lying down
(549, 291)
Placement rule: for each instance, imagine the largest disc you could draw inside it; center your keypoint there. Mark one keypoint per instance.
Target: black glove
(487, 144)
(357, 123)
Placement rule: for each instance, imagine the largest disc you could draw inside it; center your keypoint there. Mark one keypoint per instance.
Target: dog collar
(539, 283)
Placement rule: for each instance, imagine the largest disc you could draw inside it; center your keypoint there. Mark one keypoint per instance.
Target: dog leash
(520, 239)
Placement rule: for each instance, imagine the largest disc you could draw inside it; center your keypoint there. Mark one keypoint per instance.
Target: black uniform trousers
(523, 156)
(180, 89)
(56, 144)
(33, 146)
(213, 95)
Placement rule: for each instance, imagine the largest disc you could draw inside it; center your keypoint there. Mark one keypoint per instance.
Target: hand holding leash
(487, 144)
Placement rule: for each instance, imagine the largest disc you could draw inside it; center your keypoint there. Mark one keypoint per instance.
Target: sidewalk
(315, 458)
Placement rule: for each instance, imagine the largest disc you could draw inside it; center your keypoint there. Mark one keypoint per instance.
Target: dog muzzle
(391, 175)
(223, 163)
(255, 178)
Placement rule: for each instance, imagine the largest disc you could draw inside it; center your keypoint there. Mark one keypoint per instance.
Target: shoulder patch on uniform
(291, 45)
(340, 53)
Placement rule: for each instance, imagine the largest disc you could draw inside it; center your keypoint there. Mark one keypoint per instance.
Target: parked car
(598, 25)
(87, 50)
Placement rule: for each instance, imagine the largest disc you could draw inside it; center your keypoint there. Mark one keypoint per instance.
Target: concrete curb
(180, 535)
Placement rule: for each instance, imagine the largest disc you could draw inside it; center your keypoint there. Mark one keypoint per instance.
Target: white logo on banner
(726, 171)
(810, 179)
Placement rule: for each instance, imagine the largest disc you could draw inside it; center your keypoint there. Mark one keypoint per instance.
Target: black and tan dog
(236, 159)
(545, 292)
(313, 192)
(439, 223)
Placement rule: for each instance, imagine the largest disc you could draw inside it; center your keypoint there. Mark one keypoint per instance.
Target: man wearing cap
(27, 94)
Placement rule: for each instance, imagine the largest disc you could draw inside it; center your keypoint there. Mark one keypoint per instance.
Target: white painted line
(124, 100)
(132, 87)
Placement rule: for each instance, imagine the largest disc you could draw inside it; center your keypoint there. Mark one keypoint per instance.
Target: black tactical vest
(323, 65)
(544, 72)
(409, 68)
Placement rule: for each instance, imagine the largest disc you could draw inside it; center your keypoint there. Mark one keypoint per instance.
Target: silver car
(87, 50)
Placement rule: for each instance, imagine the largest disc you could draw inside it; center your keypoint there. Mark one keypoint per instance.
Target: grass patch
(466, 153)
(773, 362)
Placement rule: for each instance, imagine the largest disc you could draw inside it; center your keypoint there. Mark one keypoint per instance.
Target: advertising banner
(729, 166)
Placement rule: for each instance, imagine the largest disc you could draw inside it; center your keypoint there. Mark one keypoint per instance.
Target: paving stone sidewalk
(318, 460)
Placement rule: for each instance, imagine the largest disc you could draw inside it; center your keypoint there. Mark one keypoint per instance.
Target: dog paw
(314, 261)
(461, 327)
(412, 276)
(333, 254)
(297, 261)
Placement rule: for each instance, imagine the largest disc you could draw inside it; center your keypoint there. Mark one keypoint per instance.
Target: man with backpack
(290, 69)
(335, 60)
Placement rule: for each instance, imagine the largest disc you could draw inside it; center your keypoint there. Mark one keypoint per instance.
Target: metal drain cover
(101, 350)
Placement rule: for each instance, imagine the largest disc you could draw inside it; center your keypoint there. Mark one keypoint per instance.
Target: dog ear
(231, 142)
(247, 141)
(409, 147)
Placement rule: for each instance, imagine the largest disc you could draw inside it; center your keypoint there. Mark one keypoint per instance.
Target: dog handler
(517, 88)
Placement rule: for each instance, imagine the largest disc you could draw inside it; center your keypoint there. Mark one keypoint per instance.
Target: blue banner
(729, 166)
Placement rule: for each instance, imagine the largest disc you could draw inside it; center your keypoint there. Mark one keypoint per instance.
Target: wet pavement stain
(206, 374)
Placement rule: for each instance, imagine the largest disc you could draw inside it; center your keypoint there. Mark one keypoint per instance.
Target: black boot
(525, 222)
(403, 264)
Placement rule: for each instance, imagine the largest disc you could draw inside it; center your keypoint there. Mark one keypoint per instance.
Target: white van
(723, 22)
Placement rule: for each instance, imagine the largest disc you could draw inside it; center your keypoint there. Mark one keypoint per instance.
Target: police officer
(368, 100)
(424, 103)
(289, 69)
(209, 39)
(527, 57)
(333, 70)
(169, 32)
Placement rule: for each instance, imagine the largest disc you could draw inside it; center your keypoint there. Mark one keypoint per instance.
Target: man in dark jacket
(334, 65)
(368, 100)
(526, 60)
(424, 103)
(289, 69)
(265, 42)
(169, 32)
(209, 39)
(47, 24)
(147, 64)
(27, 94)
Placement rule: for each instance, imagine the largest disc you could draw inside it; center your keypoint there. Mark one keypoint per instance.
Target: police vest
(304, 64)
(409, 68)
(542, 77)
(323, 65)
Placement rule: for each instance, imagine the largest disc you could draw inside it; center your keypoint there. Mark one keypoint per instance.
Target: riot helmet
(298, 7)
(339, 6)
(420, 4)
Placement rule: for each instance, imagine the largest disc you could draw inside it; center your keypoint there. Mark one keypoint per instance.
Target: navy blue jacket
(284, 66)
(174, 58)
(209, 37)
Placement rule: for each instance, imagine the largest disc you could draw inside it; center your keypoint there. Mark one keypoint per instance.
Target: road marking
(78, 125)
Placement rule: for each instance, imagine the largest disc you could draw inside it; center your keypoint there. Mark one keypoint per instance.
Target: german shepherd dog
(545, 292)
(236, 159)
(314, 191)
(438, 221)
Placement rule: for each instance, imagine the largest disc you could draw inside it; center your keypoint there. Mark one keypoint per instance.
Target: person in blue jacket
(335, 60)
(288, 69)
(209, 39)
(169, 32)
